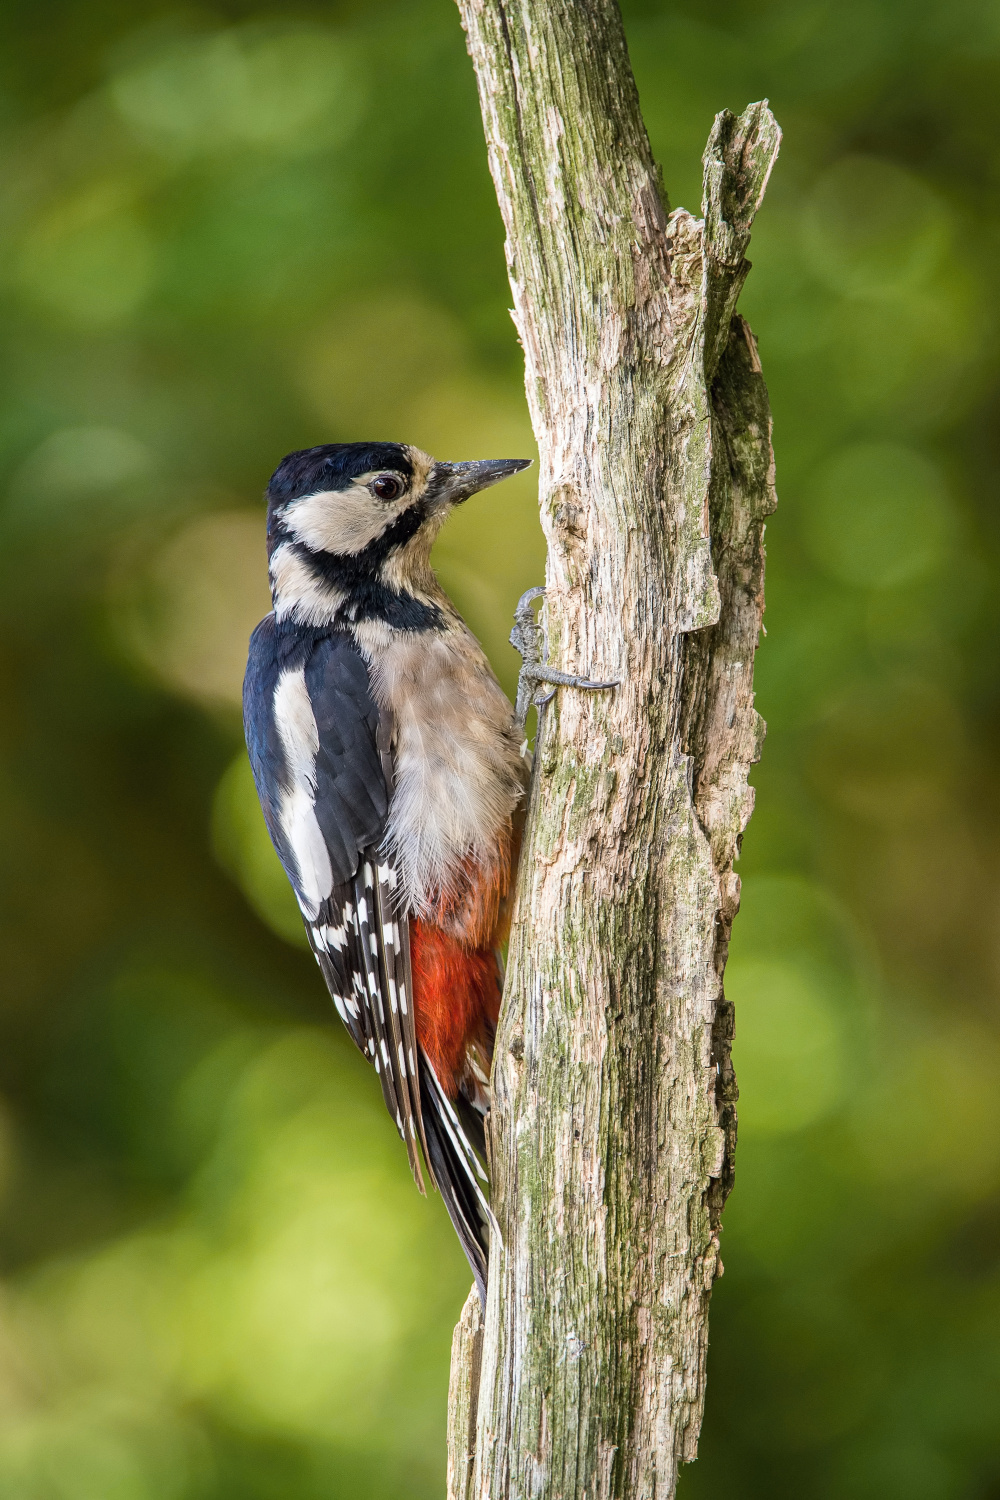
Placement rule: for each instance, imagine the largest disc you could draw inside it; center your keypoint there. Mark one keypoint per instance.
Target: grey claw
(538, 592)
(566, 679)
(524, 638)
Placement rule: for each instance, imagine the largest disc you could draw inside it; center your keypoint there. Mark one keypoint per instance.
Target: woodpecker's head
(350, 528)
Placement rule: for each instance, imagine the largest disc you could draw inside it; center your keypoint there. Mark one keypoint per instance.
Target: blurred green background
(230, 232)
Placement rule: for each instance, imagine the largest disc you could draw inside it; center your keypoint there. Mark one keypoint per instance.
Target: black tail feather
(456, 1176)
(472, 1123)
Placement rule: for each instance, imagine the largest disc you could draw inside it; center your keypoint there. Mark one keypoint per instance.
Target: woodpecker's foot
(526, 638)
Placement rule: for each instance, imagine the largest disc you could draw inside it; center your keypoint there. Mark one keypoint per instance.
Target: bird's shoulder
(328, 655)
(314, 733)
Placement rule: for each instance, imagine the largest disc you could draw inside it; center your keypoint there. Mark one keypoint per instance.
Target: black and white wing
(314, 736)
(322, 761)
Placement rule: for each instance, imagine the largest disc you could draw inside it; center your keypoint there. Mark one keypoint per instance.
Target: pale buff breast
(460, 770)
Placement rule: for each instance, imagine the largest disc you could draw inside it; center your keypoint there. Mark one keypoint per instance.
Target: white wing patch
(296, 726)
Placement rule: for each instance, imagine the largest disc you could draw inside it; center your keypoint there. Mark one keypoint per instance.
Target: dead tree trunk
(613, 1121)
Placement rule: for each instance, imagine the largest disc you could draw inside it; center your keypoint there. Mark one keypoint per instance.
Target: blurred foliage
(230, 232)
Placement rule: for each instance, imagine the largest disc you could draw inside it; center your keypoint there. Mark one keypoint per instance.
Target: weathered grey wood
(613, 1116)
(463, 1395)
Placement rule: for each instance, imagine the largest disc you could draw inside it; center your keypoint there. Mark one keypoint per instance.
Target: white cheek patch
(340, 521)
(296, 725)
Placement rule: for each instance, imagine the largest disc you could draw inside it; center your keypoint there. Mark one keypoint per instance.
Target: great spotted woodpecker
(392, 772)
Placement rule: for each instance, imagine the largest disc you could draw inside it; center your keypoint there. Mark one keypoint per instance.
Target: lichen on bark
(613, 1117)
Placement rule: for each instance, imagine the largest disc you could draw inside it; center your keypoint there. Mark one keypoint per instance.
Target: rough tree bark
(613, 1120)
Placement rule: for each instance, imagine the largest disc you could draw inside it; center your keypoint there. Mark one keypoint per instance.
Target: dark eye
(387, 487)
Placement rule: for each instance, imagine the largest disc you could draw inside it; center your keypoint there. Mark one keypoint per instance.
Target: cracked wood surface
(613, 1124)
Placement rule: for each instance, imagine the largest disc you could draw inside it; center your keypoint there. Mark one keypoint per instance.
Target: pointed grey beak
(453, 483)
